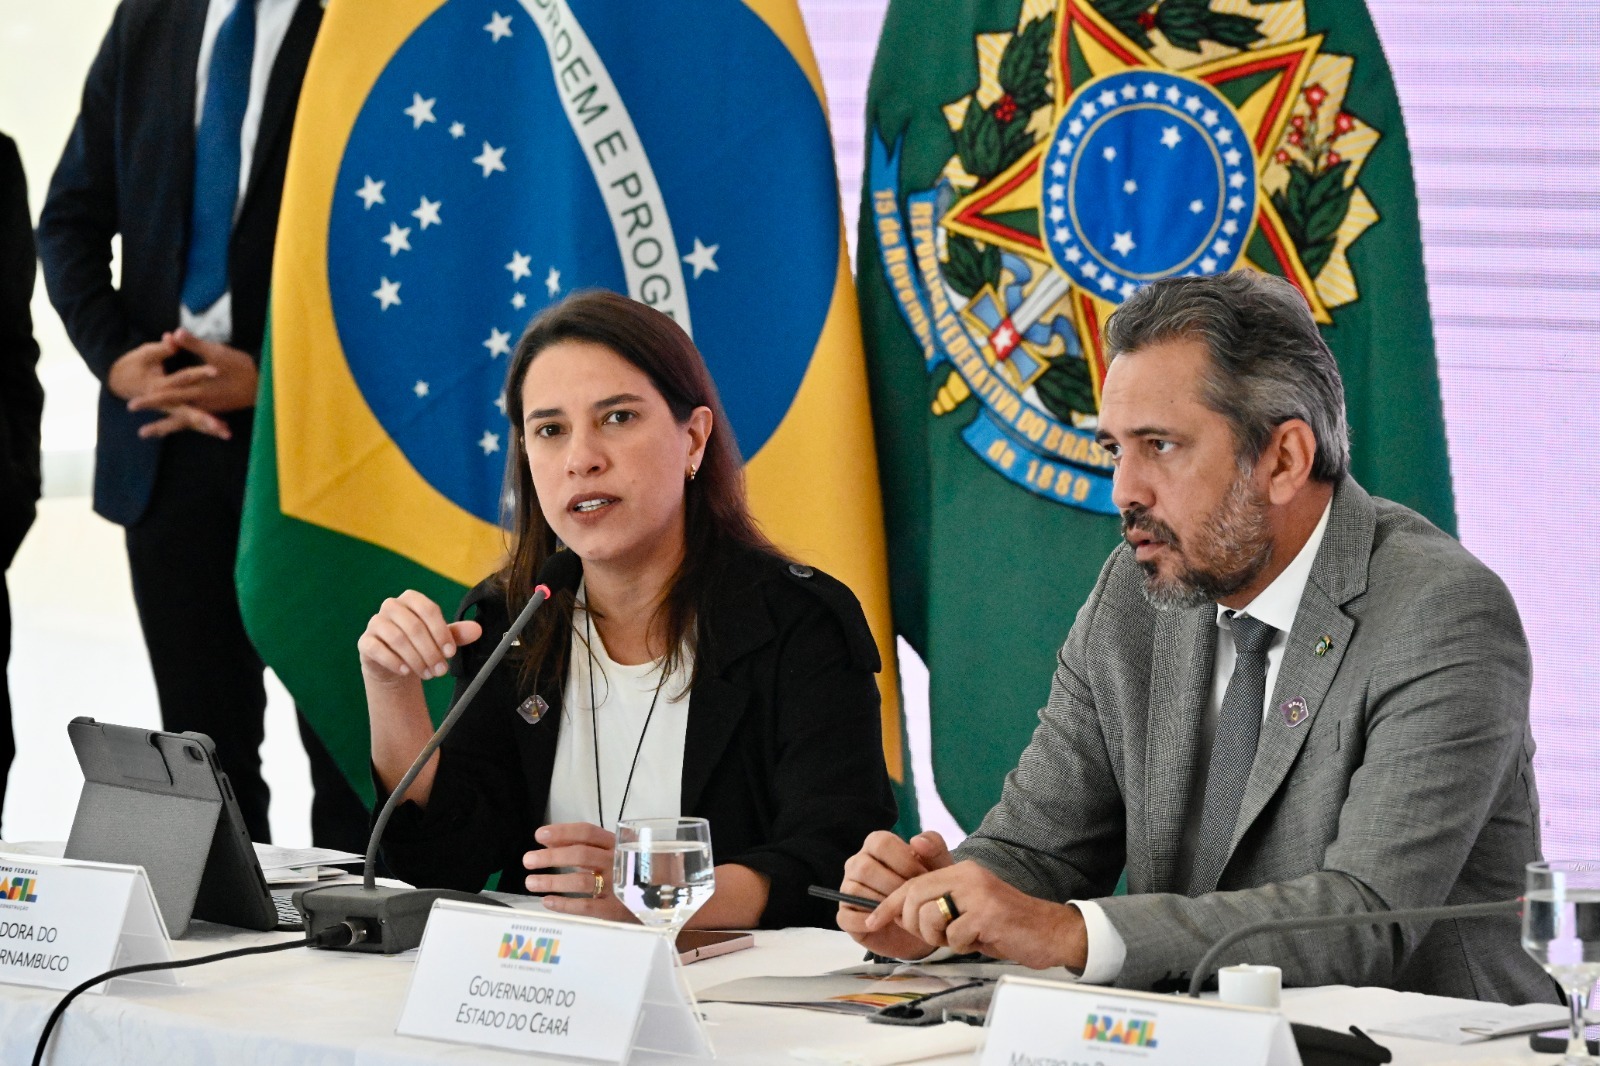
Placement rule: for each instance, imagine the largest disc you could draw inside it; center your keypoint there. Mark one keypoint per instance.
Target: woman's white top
(622, 697)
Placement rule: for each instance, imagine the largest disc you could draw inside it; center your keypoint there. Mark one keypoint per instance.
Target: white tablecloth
(305, 1008)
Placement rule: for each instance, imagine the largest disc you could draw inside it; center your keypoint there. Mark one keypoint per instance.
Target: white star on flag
(1089, 110)
(499, 343)
(1150, 90)
(388, 294)
(1235, 203)
(1224, 136)
(457, 130)
(1122, 243)
(1235, 180)
(1126, 290)
(489, 442)
(1109, 154)
(552, 282)
(500, 402)
(1129, 92)
(1195, 207)
(427, 213)
(499, 26)
(703, 258)
(1059, 168)
(1170, 137)
(1090, 269)
(1221, 247)
(1173, 95)
(421, 110)
(1108, 99)
(1058, 191)
(1062, 235)
(371, 192)
(1073, 255)
(398, 240)
(1209, 118)
(1004, 337)
(519, 266)
(1074, 128)
(1057, 213)
(1192, 104)
(489, 159)
(1107, 282)
(1230, 227)
(1232, 157)
(1208, 264)
(1130, 186)
(518, 300)
(420, 388)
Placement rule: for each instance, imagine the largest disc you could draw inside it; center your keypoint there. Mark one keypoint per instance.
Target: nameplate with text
(546, 983)
(1043, 1023)
(63, 921)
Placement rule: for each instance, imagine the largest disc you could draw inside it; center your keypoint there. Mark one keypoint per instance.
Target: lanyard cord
(594, 726)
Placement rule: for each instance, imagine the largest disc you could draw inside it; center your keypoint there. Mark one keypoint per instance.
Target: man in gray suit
(1283, 698)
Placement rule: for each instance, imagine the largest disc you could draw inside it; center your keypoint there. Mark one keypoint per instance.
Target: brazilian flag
(459, 165)
(1032, 164)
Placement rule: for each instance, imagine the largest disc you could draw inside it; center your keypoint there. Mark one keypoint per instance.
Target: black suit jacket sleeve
(81, 216)
(783, 752)
(21, 399)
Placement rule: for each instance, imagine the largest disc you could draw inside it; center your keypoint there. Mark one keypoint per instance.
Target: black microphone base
(384, 921)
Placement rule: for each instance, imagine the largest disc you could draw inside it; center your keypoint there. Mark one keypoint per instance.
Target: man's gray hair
(1269, 362)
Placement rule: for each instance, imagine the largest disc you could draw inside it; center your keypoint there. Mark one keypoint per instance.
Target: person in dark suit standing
(180, 148)
(21, 404)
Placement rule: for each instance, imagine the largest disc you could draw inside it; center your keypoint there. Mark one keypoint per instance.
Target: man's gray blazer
(1409, 784)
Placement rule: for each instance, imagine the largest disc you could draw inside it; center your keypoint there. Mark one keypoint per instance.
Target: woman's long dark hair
(716, 513)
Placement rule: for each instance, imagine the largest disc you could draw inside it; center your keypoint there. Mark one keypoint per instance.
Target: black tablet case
(160, 801)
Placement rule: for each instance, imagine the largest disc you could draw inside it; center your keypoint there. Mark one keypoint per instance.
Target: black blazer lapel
(189, 26)
(283, 89)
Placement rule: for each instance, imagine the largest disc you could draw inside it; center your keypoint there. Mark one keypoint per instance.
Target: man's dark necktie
(1233, 752)
(216, 158)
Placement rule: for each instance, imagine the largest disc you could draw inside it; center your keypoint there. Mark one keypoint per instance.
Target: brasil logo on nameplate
(1106, 145)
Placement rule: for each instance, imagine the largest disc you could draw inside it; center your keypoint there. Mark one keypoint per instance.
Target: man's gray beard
(1231, 553)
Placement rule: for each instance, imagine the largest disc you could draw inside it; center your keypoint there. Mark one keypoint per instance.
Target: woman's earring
(693, 470)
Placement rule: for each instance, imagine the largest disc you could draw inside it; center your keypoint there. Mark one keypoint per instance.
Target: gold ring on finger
(599, 884)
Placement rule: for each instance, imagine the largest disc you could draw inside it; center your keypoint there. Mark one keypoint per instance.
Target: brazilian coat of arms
(1108, 144)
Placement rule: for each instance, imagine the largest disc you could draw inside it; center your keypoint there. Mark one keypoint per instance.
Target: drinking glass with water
(664, 869)
(1561, 930)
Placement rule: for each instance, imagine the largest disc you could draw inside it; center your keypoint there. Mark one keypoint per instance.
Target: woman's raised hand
(409, 637)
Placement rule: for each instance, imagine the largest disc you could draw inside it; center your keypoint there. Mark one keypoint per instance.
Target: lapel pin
(1323, 645)
(532, 709)
(1294, 711)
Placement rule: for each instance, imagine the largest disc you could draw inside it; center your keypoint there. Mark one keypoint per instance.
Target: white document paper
(1486, 1021)
(551, 984)
(63, 921)
(1039, 1021)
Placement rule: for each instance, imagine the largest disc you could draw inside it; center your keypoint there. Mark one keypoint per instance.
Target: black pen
(860, 902)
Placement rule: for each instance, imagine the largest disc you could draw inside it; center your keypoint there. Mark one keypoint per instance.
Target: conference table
(322, 1008)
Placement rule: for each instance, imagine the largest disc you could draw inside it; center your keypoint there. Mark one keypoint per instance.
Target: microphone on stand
(1203, 969)
(387, 920)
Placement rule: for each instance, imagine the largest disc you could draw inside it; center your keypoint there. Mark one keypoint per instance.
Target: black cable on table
(332, 935)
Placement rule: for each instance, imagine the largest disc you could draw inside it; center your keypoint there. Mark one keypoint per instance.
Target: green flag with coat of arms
(1032, 164)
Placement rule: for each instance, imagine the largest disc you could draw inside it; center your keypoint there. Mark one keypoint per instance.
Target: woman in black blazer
(763, 667)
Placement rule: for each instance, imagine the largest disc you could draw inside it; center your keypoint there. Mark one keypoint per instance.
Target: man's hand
(225, 380)
(992, 917)
(138, 371)
(884, 864)
(588, 848)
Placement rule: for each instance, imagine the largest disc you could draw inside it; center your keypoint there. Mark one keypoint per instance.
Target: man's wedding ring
(948, 908)
(599, 884)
